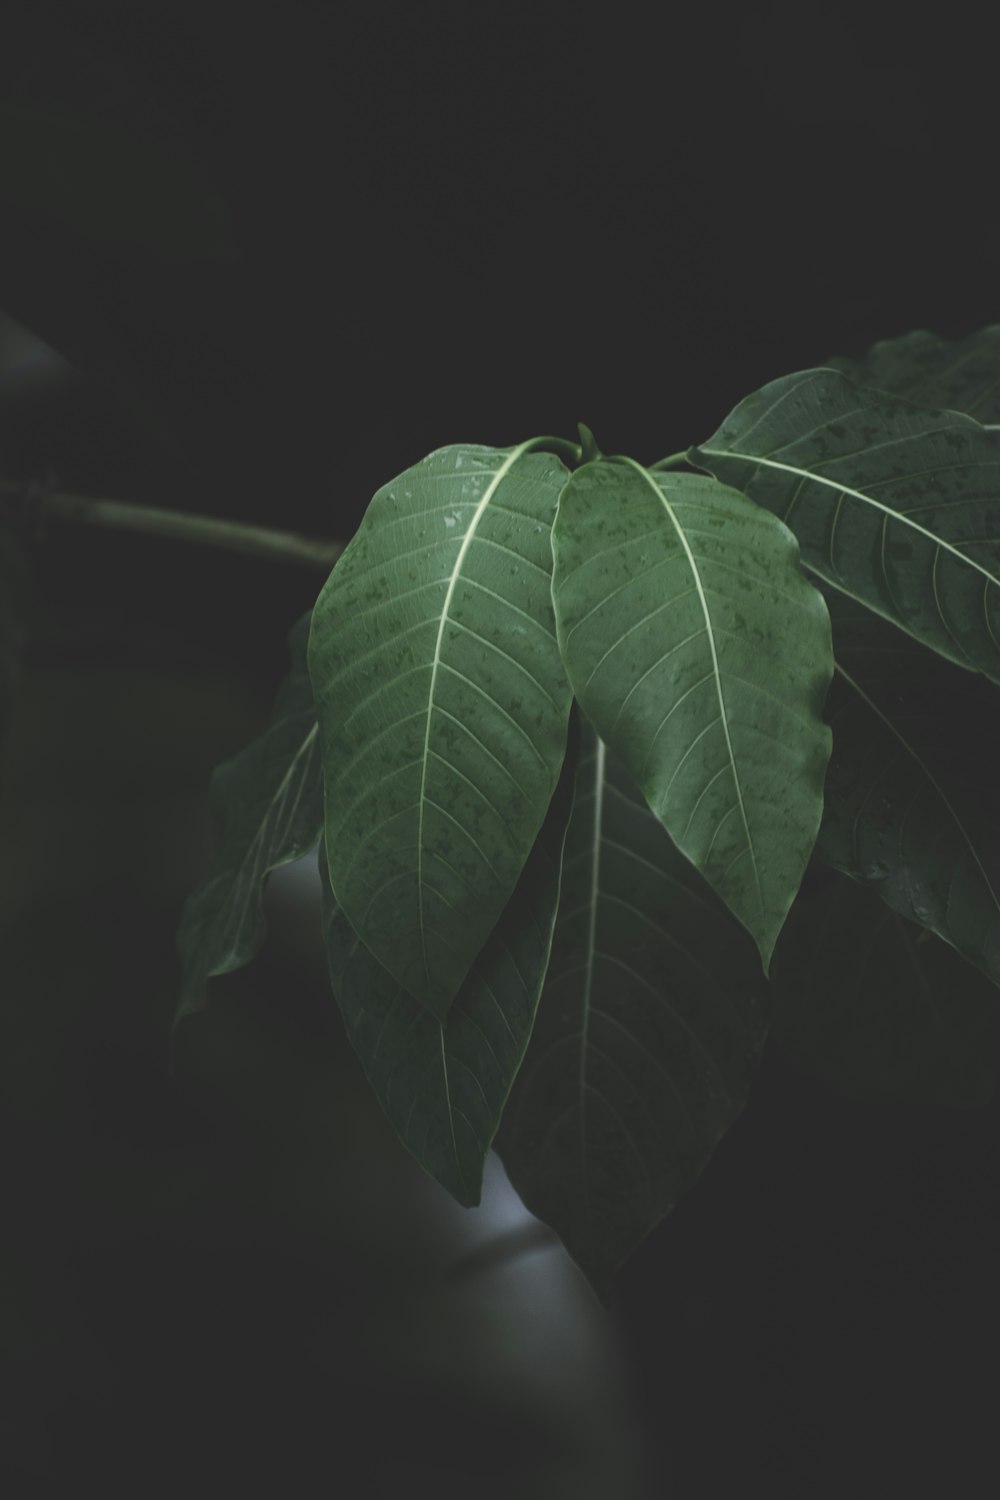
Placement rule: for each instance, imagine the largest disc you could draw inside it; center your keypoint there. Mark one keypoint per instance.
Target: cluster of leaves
(579, 739)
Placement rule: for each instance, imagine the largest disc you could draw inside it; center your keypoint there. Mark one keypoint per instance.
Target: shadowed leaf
(960, 374)
(912, 801)
(649, 1030)
(443, 1084)
(880, 1010)
(268, 805)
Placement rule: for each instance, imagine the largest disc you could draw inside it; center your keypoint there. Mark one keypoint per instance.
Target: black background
(411, 227)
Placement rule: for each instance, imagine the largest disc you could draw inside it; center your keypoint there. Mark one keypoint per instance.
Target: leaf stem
(234, 536)
(589, 451)
(672, 462)
(562, 447)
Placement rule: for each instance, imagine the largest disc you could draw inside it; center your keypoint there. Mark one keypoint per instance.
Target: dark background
(286, 251)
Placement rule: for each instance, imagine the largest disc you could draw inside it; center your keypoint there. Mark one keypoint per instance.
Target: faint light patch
(500, 1243)
(501, 1318)
(516, 1264)
(297, 884)
(26, 362)
(293, 906)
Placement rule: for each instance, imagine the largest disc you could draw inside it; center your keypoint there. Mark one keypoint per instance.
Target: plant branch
(672, 462)
(39, 505)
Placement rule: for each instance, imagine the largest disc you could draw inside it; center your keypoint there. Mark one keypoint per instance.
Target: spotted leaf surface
(442, 706)
(894, 505)
(959, 374)
(701, 655)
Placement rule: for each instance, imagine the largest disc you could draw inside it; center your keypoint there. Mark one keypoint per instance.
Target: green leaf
(268, 805)
(701, 655)
(912, 798)
(650, 1027)
(895, 506)
(443, 1084)
(442, 707)
(883, 1012)
(961, 374)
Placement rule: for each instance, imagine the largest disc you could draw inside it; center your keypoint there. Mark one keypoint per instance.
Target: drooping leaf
(268, 806)
(442, 706)
(701, 655)
(959, 374)
(649, 1030)
(881, 1010)
(443, 1084)
(894, 505)
(912, 797)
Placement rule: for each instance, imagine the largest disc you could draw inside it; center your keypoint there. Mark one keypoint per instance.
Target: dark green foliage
(702, 656)
(442, 706)
(649, 1031)
(877, 1008)
(443, 1084)
(962, 375)
(577, 931)
(912, 800)
(268, 805)
(892, 504)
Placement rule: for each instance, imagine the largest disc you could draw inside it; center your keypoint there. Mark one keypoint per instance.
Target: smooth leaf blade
(649, 1030)
(443, 1084)
(894, 505)
(957, 374)
(268, 807)
(881, 1011)
(912, 799)
(442, 705)
(701, 655)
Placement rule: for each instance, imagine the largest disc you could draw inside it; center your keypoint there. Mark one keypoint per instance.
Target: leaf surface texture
(649, 1030)
(442, 706)
(961, 374)
(701, 655)
(894, 505)
(443, 1084)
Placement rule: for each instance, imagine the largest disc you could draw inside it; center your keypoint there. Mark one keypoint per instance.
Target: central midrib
(846, 489)
(588, 984)
(710, 635)
(488, 494)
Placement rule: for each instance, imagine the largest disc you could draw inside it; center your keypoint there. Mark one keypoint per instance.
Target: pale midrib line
(447, 1102)
(588, 983)
(280, 793)
(710, 636)
(488, 494)
(939, 789)
(845, 489)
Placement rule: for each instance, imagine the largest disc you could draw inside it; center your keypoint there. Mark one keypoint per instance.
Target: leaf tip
(591, 453)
